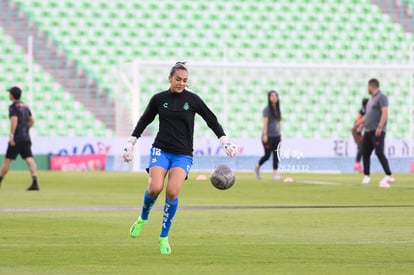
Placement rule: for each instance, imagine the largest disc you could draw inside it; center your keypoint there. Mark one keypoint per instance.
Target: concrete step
(393, 9)
(45, 52)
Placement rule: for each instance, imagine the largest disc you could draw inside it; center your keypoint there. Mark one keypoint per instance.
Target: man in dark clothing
(21, 120)
(375, 124)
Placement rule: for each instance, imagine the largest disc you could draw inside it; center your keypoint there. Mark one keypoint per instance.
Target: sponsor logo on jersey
(186, 106)
(154, 160)
(165, 105)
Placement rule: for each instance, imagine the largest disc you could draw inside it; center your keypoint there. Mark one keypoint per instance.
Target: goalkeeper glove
(230, 148)
(129, 149)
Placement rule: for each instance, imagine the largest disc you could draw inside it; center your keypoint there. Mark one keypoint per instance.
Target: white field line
(74, 208)
(189, 207)
(216, 244)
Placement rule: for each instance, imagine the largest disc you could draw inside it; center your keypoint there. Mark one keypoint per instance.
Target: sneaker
(136, 227)
(33, 187)
(164, 246)
(391, 179)
(277, 177)
(386, 181)
(366, 180)
(384, 185)
(257, 172)
(358, 167)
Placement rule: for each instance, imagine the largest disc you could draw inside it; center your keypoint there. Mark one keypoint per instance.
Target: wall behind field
(296, 155)
(42, 162)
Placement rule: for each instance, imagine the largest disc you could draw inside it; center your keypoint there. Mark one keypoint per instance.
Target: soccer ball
(222, 177)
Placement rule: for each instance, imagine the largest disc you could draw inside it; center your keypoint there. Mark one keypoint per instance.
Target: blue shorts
(168, 160)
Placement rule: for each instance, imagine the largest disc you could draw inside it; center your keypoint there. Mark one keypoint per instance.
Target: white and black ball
(223, 177)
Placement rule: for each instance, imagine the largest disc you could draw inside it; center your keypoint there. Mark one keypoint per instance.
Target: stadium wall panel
(42, 162)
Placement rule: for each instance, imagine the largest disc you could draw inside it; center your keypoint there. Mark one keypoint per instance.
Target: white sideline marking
(74, 208)
(319, 182)
(214, 244)
(187, 207)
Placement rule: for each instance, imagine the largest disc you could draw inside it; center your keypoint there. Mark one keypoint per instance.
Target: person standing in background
(271, 133)
(375, 124)
(357, 134)
(21, 120)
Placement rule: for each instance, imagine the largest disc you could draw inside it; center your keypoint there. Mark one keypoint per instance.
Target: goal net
(318, 101)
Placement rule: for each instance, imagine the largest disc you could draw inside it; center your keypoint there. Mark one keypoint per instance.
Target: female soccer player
(172, 149)
(271, 133)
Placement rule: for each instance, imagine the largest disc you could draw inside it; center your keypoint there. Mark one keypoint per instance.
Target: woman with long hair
(171, 155)
(271, 133)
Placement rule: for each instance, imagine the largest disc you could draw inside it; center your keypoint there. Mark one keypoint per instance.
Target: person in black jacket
(357, 134)
(171, 152)
(21, 120)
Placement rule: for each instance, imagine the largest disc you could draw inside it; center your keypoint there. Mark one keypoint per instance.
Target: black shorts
(24, 148)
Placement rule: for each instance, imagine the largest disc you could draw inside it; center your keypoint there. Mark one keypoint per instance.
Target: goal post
(125, 87)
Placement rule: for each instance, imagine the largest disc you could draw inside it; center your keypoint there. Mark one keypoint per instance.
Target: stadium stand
(103, 34)
(56, 112)
(410, 4)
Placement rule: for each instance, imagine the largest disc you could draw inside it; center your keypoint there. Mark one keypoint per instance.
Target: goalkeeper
(171, 152)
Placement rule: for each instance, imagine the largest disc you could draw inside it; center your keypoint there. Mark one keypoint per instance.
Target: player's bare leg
(5, 168)
(155, 185)
(176, 179)
(32, 166)
(156, 178)
(33, 171)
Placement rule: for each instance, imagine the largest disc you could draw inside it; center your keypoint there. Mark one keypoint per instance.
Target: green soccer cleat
(136, 227)
(164, 246)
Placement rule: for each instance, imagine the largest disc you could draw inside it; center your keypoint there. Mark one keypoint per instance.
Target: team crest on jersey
(165, 105)
(186, 106)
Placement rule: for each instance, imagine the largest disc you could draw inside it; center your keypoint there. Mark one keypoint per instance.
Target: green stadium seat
(47, 95)
(102, 34)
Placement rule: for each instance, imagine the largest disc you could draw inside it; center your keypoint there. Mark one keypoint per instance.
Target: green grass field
(79, 223)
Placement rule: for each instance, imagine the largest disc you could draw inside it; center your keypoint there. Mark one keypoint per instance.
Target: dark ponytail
(178, 66)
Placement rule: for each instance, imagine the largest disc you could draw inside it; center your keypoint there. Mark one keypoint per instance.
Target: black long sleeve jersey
(23, 113)
(176, 120)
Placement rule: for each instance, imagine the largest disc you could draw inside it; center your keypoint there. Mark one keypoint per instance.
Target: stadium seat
(103, 34)
(47, 94)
